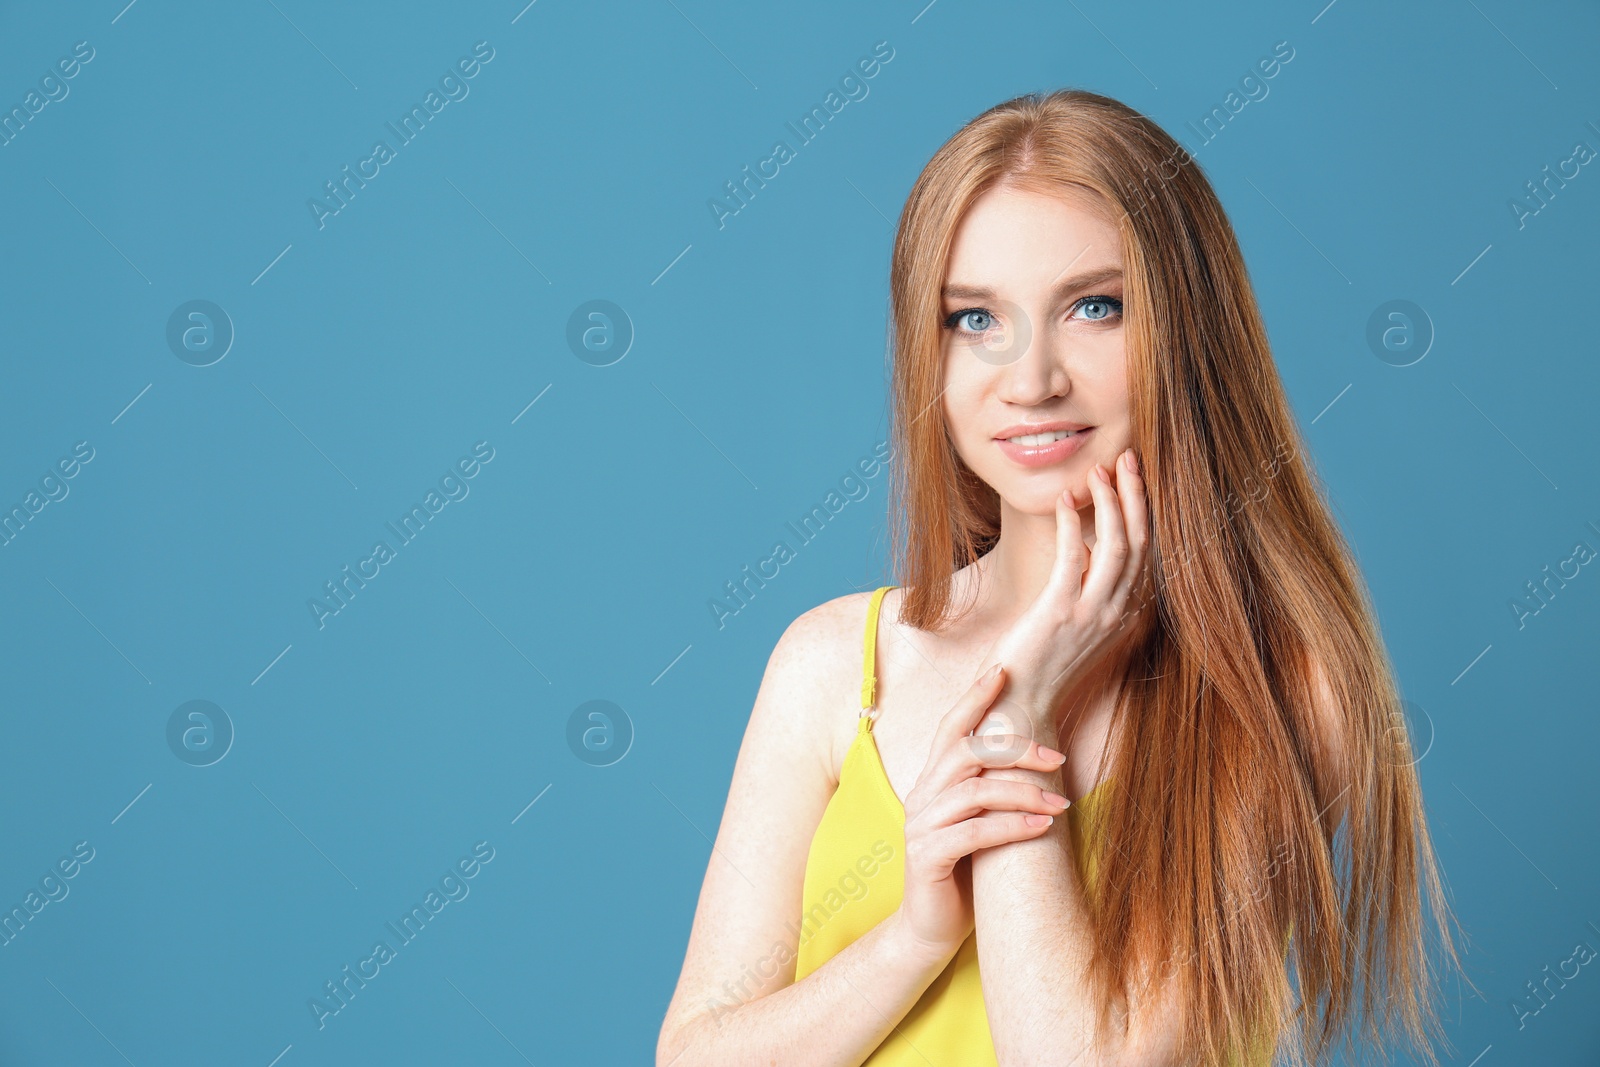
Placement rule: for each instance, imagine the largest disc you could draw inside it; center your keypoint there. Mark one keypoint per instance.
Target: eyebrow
(1078, 281)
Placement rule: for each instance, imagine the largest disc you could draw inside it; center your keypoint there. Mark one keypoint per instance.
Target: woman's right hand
(953, 811)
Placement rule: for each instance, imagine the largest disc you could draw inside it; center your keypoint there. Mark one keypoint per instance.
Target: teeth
(1042, 438)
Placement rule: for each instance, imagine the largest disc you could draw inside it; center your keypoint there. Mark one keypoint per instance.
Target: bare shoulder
(816, 664)
(823, 637)
(782, 780)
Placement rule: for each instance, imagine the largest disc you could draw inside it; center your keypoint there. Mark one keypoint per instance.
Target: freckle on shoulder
(827, 638)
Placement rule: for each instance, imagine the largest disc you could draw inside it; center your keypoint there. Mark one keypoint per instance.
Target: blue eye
(977, 320)
(1098, 308)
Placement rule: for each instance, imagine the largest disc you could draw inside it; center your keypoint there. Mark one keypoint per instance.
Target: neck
(1015, 571)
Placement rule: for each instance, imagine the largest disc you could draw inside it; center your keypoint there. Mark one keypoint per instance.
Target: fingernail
(1105, 475)
(1039, 820)
(992, 674)
(1133, 462)
(1052, 755)
(1071, 500)
(1055, 798)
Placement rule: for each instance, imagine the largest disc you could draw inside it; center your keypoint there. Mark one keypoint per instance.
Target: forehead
(1021, 240)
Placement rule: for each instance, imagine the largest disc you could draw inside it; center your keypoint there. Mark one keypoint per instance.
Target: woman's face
(1034, 343)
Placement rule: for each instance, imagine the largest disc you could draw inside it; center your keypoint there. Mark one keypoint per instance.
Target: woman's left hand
(1076, 617)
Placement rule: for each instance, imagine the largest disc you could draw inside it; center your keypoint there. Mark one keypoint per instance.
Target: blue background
(372, 753)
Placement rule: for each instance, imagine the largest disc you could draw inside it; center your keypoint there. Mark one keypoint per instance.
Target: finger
(1066, 577)
(1136, 519)
(970, 756)
(1110, 539)
(974, 796)
(1003, 734)
(940, 771)
(963, 716)
(1011, 751)
(966, 837)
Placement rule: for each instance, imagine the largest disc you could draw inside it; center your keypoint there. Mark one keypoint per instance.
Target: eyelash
(1116, 310)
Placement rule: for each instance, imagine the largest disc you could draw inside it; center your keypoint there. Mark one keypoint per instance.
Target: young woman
(1099, 491)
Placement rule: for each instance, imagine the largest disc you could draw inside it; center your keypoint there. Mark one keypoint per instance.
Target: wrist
(1033, 712)
(925, 955)
(1022, 712)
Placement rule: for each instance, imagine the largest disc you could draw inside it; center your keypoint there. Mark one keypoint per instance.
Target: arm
(736, 998)
(1033, 921)
(836, 1015)
(1029, 907)
(1033, 951)
(736, 1001)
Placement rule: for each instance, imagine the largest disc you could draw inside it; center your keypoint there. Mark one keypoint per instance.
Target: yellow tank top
(854, 879)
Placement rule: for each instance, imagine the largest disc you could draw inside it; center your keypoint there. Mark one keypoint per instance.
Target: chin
(1030, 500)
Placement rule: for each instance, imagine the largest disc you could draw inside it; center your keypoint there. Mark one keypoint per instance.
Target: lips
(1042, 444)
(1022, 428)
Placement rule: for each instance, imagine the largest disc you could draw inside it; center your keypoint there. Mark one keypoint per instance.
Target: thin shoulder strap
(869, 648)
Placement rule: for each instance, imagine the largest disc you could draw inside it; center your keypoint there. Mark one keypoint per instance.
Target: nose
(1037, 368)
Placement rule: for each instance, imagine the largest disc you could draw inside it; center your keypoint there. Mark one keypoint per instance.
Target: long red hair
(1219, 839)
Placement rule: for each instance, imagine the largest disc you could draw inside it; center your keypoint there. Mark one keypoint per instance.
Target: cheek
(1104, 376)
(963, 410)
(961, 394)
